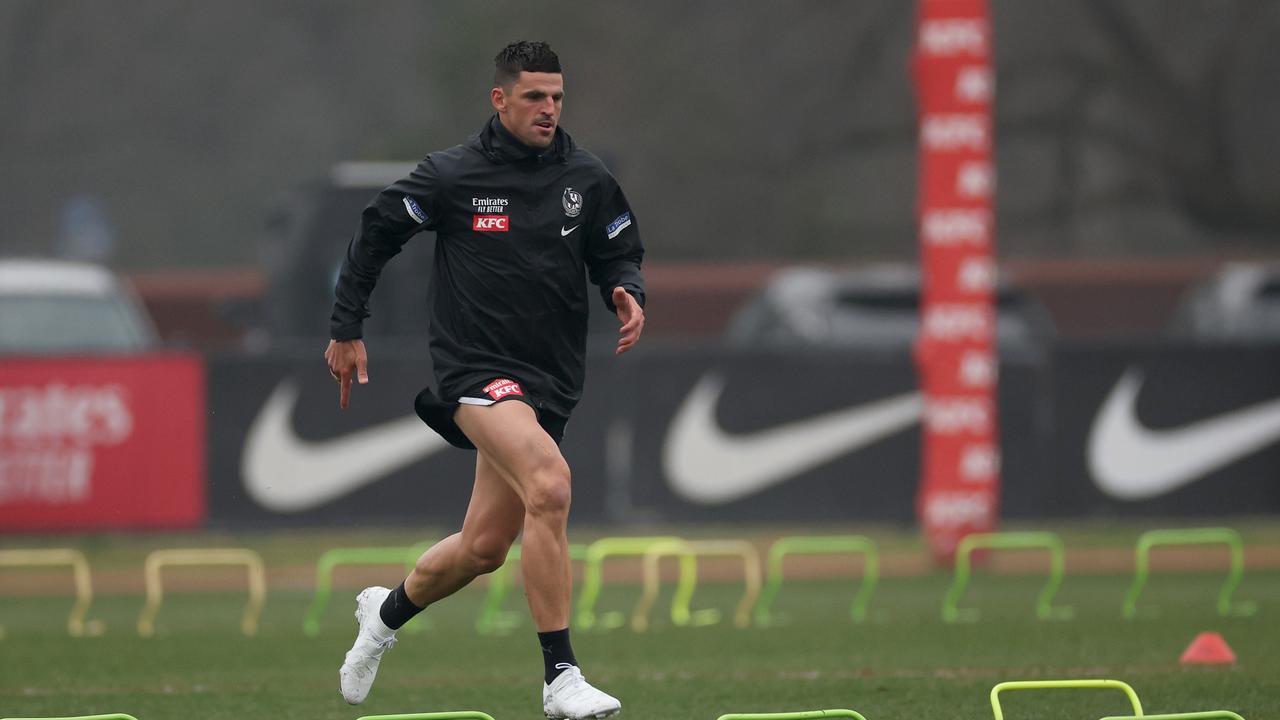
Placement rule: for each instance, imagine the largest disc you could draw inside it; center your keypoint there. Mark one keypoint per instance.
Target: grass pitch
(904, 663)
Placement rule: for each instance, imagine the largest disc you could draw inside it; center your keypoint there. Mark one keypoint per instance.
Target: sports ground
(904, 661)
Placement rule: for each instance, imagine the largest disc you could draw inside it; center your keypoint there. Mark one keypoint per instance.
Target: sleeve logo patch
(414, 210)
(620, 223)
(502, 387)
(490, 223)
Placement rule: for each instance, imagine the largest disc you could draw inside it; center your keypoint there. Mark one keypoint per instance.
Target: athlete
(522, 216)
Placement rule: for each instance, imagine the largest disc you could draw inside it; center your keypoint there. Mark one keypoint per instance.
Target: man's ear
(498, 98)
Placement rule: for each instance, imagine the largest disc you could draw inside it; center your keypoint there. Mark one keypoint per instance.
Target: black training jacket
(517, 232)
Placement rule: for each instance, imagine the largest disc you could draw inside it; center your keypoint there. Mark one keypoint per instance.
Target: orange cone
(1208, 649)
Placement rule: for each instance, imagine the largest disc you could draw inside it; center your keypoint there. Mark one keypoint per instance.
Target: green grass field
(905, 663)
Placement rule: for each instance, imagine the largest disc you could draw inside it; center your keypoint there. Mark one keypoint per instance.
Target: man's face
(530, 108)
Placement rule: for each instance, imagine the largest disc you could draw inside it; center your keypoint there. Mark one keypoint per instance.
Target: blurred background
(214, 158)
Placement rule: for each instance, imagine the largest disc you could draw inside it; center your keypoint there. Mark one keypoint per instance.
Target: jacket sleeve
(396, 214)
(614, 251)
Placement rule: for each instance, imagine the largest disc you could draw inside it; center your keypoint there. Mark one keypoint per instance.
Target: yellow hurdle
(76, 625)
(1124, 687)
(688, 552)
(204, 556)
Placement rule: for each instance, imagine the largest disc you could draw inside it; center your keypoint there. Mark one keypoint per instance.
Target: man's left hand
(631, 315)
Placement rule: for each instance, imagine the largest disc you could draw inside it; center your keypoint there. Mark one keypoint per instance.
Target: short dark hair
(526, 56)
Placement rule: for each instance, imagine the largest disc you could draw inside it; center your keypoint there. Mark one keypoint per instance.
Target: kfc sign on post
(93, 443)
(955, 354)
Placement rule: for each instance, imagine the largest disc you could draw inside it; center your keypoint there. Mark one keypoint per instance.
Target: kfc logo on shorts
(503, 387)
(490, 223)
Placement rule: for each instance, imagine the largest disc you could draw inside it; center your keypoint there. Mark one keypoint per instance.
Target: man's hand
(347, 358)
(631, 315)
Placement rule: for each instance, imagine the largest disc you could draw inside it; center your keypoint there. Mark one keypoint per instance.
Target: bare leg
(493, 520)
(510, 439)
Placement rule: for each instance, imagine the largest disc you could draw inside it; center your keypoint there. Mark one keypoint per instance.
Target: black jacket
(515, 230)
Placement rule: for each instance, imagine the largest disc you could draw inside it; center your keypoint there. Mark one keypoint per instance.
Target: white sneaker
(361, 664)
(571, 697)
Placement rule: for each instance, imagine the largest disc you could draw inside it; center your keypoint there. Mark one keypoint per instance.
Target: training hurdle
(593, 575)
(109, 716)
(456, 715)
(688, 551)
(1192, 536)
(1007, 541)
(76, 624)
(203, 556)
(493, 620)
(330, 559)
(802, 715)
(1063, 685)
(1203, 715)
(821, 545)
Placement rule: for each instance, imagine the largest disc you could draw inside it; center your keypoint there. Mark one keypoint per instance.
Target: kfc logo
(955, 131)
(949, 37)
(959, 509)
(947, 227)
(503, 387)
(490, 223)
(955, 415)
(948, 322)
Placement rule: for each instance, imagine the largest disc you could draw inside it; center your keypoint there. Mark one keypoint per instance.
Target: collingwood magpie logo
(572, 202)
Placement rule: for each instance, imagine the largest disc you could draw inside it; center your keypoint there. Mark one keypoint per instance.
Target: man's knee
(548, 491)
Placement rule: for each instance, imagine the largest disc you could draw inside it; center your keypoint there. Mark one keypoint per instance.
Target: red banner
(93, 443)
(960, 483)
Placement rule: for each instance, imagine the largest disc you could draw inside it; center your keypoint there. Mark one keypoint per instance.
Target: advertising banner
(1160, 429)
(95, 443)
(674, 434)
(688, 434)
(959, 485)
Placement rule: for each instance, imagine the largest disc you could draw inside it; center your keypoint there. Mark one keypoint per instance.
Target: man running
(522, 216)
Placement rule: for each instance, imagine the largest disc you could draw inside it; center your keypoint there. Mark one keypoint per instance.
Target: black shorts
(438, 414)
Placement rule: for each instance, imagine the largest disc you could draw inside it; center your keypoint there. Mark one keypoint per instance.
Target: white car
(1239, 303)
(58, 307)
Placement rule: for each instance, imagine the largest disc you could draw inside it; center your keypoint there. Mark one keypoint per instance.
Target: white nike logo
(1131, 462)
(284, 473)
(565, 233)
(706, 465)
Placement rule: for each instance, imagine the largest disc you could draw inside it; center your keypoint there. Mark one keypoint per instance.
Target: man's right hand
(347, 358)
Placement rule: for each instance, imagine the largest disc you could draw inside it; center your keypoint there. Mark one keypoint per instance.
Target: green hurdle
(593, 575)
(109, 716)
(1193, 536)
(1205, 715)
(1008, 541)
(456, 715)
(405, 557)
(821, 545)
(77, 626)
(1067, 685)
(493, 620)
(803, 715)
(688, 551)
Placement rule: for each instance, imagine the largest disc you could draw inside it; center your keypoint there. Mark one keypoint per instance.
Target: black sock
(557, 653)
(397, 609)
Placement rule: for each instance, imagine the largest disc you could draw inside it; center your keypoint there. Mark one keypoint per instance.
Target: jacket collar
(500, 146)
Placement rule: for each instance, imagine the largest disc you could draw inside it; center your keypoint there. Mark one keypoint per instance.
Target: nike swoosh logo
(565, 233)
(1129, 461)
(706, 465)
(285, 473)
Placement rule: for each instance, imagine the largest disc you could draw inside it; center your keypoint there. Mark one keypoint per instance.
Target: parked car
(874, 308)
(60, 307)
(1239, 303)
(306, 245)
